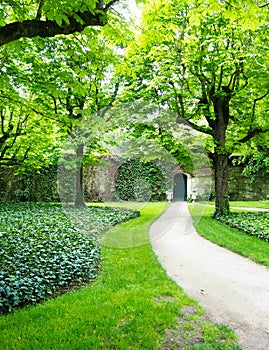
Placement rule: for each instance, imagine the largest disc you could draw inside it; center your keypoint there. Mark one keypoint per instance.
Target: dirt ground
(233, 290)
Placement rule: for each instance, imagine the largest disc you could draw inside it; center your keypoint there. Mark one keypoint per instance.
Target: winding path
(232, 289)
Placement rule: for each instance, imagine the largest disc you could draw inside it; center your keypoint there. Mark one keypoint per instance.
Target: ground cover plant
(254, 224)
(132, 304)
(236, 240)
(45, 250)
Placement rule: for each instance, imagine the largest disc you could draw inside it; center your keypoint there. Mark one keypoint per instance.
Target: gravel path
(233, 290)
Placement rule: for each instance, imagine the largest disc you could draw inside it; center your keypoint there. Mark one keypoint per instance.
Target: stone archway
(180, 187)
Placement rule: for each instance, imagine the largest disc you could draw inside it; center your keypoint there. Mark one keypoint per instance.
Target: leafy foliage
(258, 163)
(176, 146)
(43, 253)
(65, 83)
(140, 181)
(254, 224)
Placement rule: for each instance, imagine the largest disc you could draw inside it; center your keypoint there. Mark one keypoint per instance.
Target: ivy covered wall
(130, 180)
(140, 181)
(32, 186)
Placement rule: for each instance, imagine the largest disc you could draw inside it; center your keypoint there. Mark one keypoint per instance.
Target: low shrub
(45, 250)
(254, 224)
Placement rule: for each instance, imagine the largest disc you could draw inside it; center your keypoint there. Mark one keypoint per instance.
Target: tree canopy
(206, 61)
(204, 64)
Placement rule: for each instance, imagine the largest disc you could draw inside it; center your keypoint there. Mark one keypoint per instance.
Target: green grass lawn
(247, 204)
(225, 236)
(131, 305)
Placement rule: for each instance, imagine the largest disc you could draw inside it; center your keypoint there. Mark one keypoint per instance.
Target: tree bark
(220, 162)
(79, 199)
(220, 155)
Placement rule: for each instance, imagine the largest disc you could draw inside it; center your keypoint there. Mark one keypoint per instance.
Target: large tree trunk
(79, 200)
(220, 154)
(220, 162)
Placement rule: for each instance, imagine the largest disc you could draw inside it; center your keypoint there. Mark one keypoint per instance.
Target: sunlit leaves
(52, 10)
(59, 83)
(249, 15)
(189, 49)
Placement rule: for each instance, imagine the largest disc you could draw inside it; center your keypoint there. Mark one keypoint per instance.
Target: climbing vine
(33, 186)
(137, 180)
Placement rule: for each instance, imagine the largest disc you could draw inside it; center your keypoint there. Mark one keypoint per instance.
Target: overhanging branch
(36, 27)
(110, 4)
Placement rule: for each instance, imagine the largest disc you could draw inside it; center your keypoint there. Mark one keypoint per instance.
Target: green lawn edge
(131, 305)
(227, 237)
(246, 204)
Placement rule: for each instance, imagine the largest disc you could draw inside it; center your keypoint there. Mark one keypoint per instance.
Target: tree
(78, 86)
(74, 81)
(62, 81)
(199, 61)
(47, 19)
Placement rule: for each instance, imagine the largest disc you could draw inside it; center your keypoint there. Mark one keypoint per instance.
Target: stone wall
(247, 187)
(100, 184)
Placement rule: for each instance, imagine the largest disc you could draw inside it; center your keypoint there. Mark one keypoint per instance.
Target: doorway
(180, 187)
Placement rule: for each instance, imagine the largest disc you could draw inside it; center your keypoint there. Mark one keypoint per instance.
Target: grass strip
(246, 204)
(230, 238)
(130, 306)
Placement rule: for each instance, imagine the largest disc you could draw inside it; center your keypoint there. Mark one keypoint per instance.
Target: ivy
(33, 186)
(254, 224)
(43, 253)
(140, 181)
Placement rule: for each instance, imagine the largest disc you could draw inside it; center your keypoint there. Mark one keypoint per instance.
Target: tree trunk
(79, 201)
(220, 154)
(220, 162)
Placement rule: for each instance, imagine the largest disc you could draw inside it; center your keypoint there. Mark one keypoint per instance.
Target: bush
(254, 224)
(43, 253)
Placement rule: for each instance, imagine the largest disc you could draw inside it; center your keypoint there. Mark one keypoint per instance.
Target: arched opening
(180, 187)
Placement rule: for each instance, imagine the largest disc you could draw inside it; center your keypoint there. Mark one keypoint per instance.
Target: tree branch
(39, 10)
(196, 127)
(251, 134)
(264, 5)
(112, 100)
(35, 27)
(255, 103)
(110, 4)
(180, 109)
